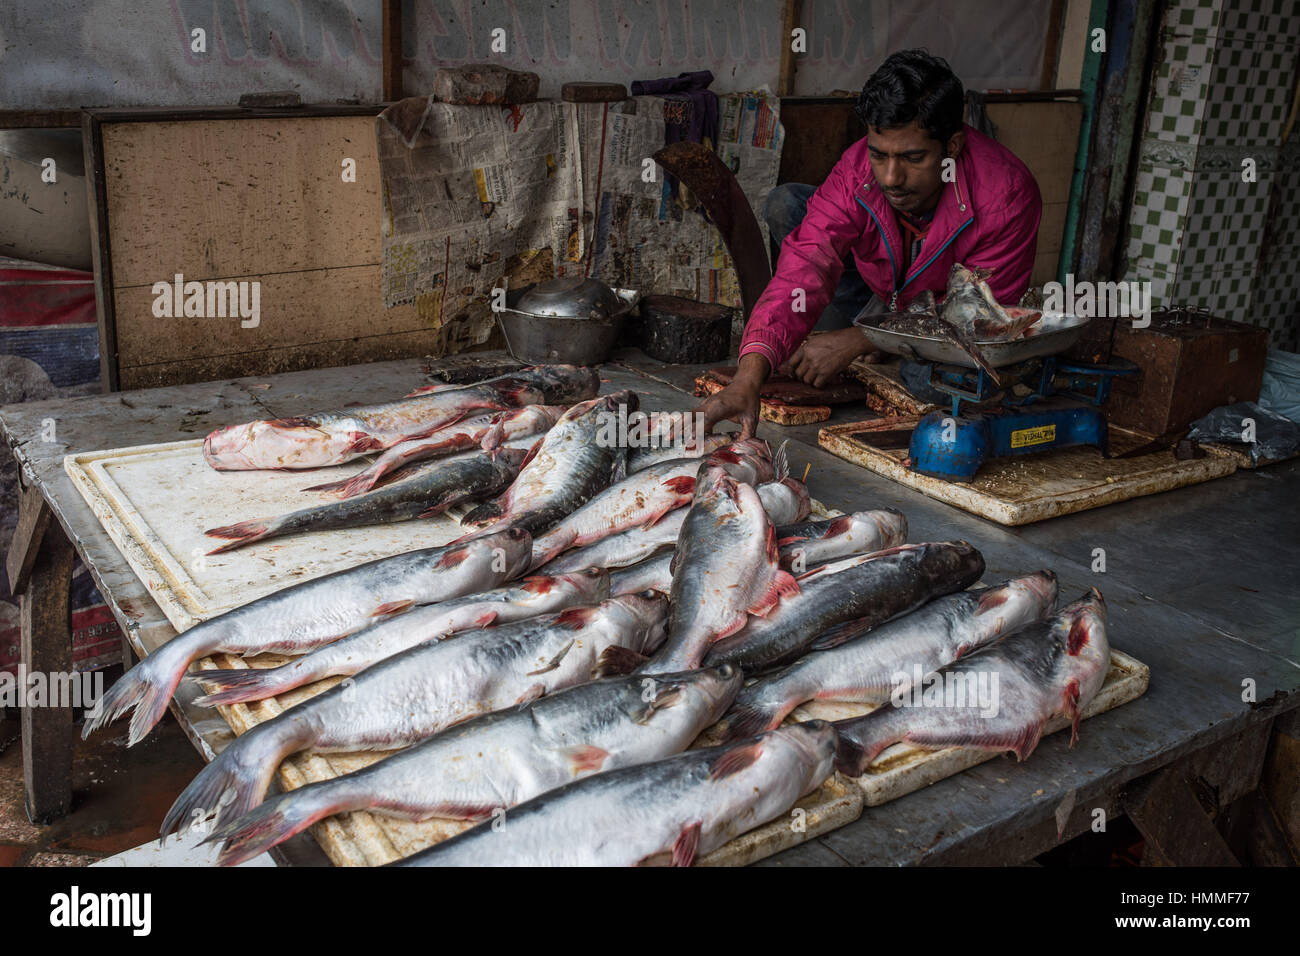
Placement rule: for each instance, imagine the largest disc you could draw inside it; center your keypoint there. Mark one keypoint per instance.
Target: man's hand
(822, 357)
(738, 402)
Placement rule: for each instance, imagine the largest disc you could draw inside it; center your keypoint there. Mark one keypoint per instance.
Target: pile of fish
(604, 607)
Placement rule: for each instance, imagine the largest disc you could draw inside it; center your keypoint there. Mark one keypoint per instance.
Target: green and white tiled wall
(1220, 95)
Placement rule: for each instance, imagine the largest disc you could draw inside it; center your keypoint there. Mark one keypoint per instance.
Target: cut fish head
(892, 524)
(785, 501)
(281, 443)
(510, 549)
(1081, 626)
(813, 744)
(565, 383)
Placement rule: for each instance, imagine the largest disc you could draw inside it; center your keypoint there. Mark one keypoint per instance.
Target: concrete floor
(117, 818)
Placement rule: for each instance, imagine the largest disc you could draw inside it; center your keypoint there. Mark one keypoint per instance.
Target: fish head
(798, 501)
(1034, 593)
(748, 461)
(1081, 628)
(712, 688)
(813, 744)
(644, 614)
(566, 383)
(713, 481)
(279, 443)
(892, 525)
(590, 586)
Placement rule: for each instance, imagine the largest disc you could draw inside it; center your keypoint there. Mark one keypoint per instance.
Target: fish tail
(329, 485)
(488, 511)
(240, 686)
(283, 816)
(147, 688)
(861, 740)
(234, 783)
(359, 483)
(243, 533)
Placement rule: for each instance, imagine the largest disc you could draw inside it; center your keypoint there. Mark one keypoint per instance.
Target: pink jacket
(988, 218)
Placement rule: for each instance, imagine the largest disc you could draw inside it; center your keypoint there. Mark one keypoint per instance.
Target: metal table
(1200, 585)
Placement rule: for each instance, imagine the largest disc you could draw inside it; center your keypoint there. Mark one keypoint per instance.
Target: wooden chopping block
(682, 331)
(485, 84)
(790, 391)
(769, 410)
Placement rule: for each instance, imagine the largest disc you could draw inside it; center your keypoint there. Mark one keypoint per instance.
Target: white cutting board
(155, 502)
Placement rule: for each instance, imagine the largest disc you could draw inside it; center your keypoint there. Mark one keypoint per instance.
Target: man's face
(908, 165)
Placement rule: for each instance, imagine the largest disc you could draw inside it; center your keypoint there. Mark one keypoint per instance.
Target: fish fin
(790, 539)
(783, 586)
(530, 695)
(281, 817)
(840, 634)
(839, 526)
(617, 660)
(686, 845)
(435, 510)
(585, 758)
(1072, 709)
(554, 662)
(618, 470)
(991, 598)
(963, 649)
(329, 485)
(245, 684)
(781, 462)
(245, 532)
(746, 720)
(361, 443)
(532, 453)
(452, 558)
(486, 619)
(735, 759)
(663, 700)
(389, 608)
(296, 422)
(538, 584)
(576, 617)
(681, 485)
(460, 811)
(1026, 742)
(426, 389)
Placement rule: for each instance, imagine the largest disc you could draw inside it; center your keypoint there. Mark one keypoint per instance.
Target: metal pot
(572, 321)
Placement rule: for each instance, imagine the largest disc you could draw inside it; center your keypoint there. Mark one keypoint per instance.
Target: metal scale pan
(1053, 334)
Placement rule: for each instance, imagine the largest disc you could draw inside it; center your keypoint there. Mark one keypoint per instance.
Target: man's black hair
(913, 85)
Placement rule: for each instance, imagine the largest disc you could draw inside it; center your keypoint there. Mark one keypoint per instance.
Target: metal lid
(572, 298)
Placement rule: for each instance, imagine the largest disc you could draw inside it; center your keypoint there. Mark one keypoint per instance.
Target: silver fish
(652, 574)
(501, 759)
(297, 619)
(786, 501)
(489, 432)
(862, 591)
(672, 811)
(870, 669)
(570, 465)
(807, 544)
(638, 459)
(332, 438)
(429, 490)
(1048, 668)
(428, 688)
(726, 568)
(351, 655)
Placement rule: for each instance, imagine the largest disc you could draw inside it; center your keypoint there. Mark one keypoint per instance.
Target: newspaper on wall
(487, 198)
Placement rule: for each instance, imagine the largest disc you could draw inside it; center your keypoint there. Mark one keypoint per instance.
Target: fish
(971, 307)
(641, 458)
(652, 574)
(924, 303)
(639, 501)
(332, 438)
(421, 691)
(642, 500)
(488, 432)
(518, 601)
(667, 812)
(808, 544)
(936, 327)
(621, 550)
(726, 568)
(505, 758)
(304, 616)
(870, 669)
(569, 466)
(866, 590)
(1045, 669)
(428, 491)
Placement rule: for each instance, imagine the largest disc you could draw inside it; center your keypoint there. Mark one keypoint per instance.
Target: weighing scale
(1041, 404)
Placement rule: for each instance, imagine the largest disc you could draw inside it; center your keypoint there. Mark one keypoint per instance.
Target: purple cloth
(692, 89)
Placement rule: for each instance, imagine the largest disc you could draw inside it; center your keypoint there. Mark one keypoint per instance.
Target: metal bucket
(586, 339)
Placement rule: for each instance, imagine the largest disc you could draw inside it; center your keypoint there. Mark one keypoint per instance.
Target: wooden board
(778, 413)
(155, 500)
(903, 768)
(1029, 488)
(242, 197)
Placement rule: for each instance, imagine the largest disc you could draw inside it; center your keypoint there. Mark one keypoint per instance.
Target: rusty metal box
(1192, 362)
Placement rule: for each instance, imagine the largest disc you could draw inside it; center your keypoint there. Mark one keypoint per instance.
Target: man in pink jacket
(918, 193)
